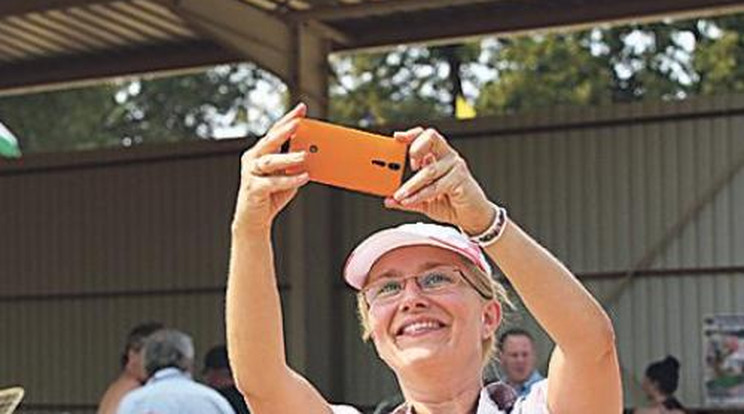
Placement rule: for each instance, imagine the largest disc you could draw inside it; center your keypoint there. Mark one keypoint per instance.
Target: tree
(666, 60)
(61, 120)
(542, 71)
(235, 99)
(719, 58)
(198, 106)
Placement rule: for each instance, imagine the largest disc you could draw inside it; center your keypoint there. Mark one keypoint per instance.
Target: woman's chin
(422, 355)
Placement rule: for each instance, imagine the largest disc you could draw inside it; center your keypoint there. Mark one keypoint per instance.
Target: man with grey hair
(169, 358)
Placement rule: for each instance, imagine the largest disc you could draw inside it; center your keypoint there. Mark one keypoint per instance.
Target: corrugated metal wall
(94, 243)
(91, 250)
(600, 188)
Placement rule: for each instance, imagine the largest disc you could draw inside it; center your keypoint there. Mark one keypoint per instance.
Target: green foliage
(62, 120)
(542, 71)
(719, 59)
(190, 106)
(131, 112)
(667, 60)
(385, 87)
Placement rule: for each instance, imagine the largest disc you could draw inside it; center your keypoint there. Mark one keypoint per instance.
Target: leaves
(234, 100)
(664, 60)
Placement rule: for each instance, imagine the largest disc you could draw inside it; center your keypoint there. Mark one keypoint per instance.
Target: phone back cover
(350, 158)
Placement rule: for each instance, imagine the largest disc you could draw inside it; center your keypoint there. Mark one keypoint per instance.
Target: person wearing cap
(426, 295)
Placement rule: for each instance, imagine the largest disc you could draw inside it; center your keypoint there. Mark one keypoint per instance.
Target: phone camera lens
(313, 149)
(394, 166)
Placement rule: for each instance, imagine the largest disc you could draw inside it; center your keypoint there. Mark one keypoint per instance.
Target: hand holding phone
(350, 158)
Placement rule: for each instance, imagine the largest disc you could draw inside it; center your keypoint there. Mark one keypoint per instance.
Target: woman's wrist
(241, 229)
(494, 229)
(480, 221)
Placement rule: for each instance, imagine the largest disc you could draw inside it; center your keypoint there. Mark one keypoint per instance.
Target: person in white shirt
(518, 357)
(169, 359)
(427, 298)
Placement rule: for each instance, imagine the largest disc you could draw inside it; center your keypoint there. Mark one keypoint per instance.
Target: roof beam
(15, 7)
(370, 9)
(251, 33)
(428, 26)
(53, 73)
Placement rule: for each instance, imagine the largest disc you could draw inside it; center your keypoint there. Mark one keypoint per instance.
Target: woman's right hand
(265, 188)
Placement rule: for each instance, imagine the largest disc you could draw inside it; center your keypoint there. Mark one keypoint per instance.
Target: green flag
(8, 143)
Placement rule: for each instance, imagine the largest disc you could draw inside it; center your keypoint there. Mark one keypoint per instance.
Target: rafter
(433, 25)
(50, 73)
(14, 7)
(370, 9)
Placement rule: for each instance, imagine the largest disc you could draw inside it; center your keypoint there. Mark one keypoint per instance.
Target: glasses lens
(437, 280)
(384, 289)
(431, 281)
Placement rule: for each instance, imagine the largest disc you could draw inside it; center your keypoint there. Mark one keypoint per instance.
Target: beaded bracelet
(493, 232)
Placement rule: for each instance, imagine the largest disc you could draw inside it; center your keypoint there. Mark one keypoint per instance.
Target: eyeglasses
(438, 280)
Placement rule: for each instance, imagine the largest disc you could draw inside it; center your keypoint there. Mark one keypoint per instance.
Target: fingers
(265, 186)
(416, 208)
(408, 136)
(428, 142)
(298, 111)
(272, 164)
(273, 140)
(438, 188)
(426, 176)
(280, 132)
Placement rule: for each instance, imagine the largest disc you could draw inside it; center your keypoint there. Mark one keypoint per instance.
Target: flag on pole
(463, 110)
(8, 143)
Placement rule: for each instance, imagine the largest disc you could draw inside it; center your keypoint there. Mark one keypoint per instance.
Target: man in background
(169, 359)
(218, 375)
(518, 358)
(132, 373)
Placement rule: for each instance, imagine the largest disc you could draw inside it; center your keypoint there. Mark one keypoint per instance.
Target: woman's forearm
(562, 306)
(253, 314)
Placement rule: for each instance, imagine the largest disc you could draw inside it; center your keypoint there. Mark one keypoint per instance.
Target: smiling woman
(427, 299)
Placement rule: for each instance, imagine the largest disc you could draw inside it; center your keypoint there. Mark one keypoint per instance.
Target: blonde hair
(488, 288)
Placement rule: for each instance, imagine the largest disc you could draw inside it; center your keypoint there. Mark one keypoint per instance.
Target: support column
(314, 345)
(309, 70)
(306, 246)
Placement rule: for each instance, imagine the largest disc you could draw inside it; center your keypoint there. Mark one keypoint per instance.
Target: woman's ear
(491, 318)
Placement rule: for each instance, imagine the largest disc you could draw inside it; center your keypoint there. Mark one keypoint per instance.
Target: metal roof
(45, 42)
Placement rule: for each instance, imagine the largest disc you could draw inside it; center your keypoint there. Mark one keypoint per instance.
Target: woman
(426, 297)
(659, 384)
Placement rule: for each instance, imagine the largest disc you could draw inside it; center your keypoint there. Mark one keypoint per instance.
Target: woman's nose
(412, 296)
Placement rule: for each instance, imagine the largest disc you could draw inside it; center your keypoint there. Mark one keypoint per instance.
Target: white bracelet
(493, 232)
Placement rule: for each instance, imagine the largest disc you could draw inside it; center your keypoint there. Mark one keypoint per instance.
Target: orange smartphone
(350, 158)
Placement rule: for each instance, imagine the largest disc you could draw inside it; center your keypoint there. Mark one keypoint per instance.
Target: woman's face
(650, 389)
(415, 328)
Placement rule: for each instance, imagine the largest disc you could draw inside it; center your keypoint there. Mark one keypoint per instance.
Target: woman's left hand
(442, 187)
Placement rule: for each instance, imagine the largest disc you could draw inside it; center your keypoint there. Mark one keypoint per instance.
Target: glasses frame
(405, 280)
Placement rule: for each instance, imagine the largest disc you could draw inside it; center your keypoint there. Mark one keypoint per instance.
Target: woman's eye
(389, 288)
(436, 279)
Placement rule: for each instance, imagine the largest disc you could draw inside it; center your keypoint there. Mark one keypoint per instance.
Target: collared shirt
(525, 387)
(536, 402)
(171, 391)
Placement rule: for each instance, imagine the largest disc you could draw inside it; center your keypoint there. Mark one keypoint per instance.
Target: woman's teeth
(419, 327)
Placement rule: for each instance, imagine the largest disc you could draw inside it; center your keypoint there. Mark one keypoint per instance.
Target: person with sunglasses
(426, 294)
